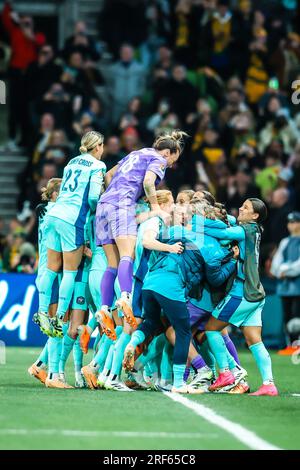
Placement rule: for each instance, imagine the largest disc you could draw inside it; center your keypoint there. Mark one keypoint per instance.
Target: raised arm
(6, 18)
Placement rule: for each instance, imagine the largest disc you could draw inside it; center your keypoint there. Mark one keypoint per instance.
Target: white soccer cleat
(202, 379)
(102, 378)
(117, 386)
(79, 381)
(139, 378)
(183, 389)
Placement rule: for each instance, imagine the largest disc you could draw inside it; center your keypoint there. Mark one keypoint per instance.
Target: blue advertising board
(18, 303)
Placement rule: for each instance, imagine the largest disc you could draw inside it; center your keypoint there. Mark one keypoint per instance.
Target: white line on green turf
(249, 438)
(125, 434)
(295, 394)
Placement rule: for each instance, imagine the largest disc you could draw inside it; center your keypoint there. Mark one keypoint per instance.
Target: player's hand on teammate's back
(177, 248)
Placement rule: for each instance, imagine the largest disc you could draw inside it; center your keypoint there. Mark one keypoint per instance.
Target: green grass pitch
(33, 417)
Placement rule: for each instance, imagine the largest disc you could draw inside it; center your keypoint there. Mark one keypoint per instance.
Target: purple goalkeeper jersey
(126, 187)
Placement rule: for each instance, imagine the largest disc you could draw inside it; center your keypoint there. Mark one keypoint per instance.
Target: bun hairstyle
(173, 141)
(53, 186)
(90, 140)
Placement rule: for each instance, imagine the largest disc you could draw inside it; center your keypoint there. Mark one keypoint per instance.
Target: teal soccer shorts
(62, 236)
(239, 312)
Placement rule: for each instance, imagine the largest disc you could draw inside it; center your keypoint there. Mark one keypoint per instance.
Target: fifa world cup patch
(80, 300)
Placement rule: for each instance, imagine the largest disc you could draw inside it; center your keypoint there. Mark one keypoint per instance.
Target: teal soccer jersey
(80, 190)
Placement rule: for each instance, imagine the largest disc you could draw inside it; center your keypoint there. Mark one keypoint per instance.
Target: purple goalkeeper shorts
(113, 222)
(198, 316)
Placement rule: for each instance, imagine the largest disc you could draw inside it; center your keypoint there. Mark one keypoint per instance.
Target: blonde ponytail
(53, 186)
(90, 140)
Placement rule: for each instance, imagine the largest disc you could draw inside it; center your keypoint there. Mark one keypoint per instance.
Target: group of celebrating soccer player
(160, 279)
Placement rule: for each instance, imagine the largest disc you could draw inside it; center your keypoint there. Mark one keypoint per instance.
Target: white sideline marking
(79, 433)
(249, 438)
(295, 394)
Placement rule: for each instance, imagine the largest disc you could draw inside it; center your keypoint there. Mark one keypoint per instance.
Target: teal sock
(66, 290)
(152, 367)
(67, 346)
(218, 348)
(45, 289)
(178, 372)
(97, 343)
(231, 362)
(148, 370)
(77, 355)
(54, 352)
(263, 361)
(65, 327)
(208, 357)
(109, 358)
(137, 338)
(101, 355)
(93, 323)
(43, 357)
(166, 363)
(153, 350)
(119, 349)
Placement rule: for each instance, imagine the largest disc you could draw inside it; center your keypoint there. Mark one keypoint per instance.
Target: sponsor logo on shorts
(80, 300)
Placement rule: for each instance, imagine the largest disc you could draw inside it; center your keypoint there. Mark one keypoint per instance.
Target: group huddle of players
(159, 280)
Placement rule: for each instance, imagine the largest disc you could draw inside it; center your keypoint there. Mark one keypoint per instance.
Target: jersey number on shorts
(129, 164)
(72, 178)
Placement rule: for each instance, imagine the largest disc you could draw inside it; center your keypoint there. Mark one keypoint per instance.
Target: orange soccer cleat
(90, 377)
(240, 388)
(38, 373)
(288, 351)
(84, 338)
(56, 383)
(128, 361)
(124, 304)
(107, 324)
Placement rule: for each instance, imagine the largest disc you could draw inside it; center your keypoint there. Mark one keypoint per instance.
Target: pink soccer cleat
(268, 390)
(224, 379)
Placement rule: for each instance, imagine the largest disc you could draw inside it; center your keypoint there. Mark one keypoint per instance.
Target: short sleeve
(158, 167)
